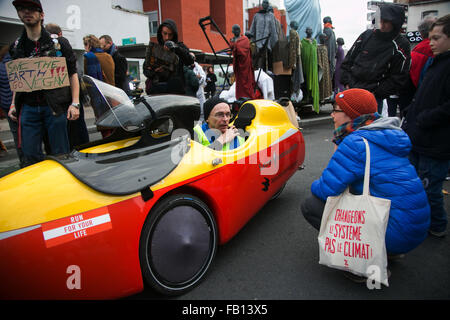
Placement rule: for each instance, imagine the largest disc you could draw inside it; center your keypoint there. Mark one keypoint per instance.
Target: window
(217, 12)
(153, 23)
(432, 13)
(153, 28)
(133, 69)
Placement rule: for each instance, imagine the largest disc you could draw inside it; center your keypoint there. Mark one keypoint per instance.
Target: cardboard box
(279, 69)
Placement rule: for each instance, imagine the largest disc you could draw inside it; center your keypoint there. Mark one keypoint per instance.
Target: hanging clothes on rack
(295, 62)
(310, 70)
(325, 84)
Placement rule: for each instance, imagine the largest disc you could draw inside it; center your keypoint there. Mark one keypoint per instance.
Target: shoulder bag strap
(367, 169)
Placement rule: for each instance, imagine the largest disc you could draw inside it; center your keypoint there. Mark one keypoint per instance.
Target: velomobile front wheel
(178, 244)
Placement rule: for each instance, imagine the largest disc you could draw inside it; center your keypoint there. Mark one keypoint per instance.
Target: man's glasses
(221, 115)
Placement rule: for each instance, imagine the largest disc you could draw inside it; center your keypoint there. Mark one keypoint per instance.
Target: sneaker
(360, 279)
(438, 234)
(354, 277)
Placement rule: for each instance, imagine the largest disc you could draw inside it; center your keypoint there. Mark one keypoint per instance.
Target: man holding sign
(44, 80)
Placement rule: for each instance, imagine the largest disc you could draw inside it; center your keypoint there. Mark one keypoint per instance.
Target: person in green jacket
(215, 132)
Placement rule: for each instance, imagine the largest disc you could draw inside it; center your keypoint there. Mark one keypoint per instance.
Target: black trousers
(312, 210)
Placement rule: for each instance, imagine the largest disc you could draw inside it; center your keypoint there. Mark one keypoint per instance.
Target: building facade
(419, 9)
(82, 17)
(121, 19)
(187, 13)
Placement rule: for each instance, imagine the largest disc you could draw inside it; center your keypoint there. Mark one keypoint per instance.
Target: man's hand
(170, 45)
(73, 113)
(12, 113)
(228, 135)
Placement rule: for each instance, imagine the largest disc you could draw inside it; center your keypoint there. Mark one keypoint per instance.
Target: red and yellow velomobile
(146, 205)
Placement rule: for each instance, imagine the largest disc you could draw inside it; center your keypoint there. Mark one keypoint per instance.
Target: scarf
(93, 67)
(328, 25)
(112, 49)
(344, 130)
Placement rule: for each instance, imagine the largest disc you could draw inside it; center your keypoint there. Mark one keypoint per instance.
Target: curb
(310, 122)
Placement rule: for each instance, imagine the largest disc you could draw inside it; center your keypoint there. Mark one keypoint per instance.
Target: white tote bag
(352, 232)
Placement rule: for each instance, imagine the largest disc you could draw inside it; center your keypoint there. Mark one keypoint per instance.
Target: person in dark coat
(5, 100)
(211, 80)
(120, 62)
(76, 129)
(379, 60)
(427, 122)
(337, 73)
(164, 61)
(191, 81)
(419, 57)
(41, 110)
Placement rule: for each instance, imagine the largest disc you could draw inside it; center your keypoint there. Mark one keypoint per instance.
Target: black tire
(177, 245)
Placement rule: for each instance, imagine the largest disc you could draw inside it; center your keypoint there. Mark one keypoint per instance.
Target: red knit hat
(356, 102)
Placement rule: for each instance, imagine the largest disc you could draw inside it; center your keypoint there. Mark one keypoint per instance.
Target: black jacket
(120, 70)
(378, 61)
(174, 79)
(58, 99)
(427, 120)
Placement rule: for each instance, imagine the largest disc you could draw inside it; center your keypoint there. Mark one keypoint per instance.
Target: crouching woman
(391, 174)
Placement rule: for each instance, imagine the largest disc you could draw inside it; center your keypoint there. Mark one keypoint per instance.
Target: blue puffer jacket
(391, 177)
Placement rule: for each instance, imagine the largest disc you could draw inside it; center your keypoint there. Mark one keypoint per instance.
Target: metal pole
(202, 24)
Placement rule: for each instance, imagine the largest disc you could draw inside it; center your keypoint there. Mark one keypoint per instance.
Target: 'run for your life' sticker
(75, 227)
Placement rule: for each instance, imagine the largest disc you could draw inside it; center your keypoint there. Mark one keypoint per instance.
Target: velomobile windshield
(112, 107)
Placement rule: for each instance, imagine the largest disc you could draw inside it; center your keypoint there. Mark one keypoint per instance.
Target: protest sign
(43, 73)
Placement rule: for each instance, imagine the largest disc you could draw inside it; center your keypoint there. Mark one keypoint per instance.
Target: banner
(32, 74)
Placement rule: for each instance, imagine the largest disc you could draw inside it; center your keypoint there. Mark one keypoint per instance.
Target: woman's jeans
(312, 210)
(432, 172)
(33, 121)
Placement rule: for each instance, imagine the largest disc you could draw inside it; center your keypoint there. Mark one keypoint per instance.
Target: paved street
(275, 256)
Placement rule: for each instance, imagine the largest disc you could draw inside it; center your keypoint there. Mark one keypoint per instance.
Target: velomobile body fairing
(149, 205)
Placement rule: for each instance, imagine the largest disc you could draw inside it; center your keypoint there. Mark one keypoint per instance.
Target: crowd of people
(169, 68)
(410, 154)
(417, 84)
(379, 66)
(53, 118)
